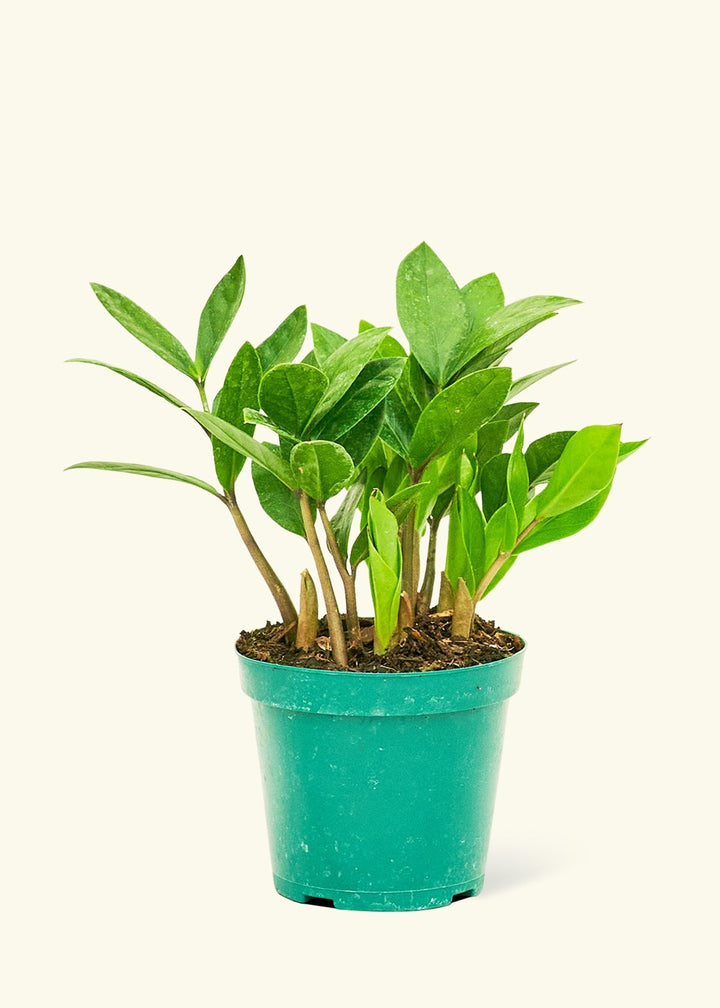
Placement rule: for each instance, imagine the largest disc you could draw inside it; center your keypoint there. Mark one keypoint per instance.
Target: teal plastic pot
(379, 787)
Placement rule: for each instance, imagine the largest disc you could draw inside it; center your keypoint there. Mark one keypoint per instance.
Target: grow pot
(379, 787)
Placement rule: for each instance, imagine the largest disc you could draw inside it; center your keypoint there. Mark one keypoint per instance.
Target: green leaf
(495, 536)
(404, 404)
(150, 386)
(146, 329)
(466, 541)
(566, 524)
(542, 455)
(236, 438)
(255, 417)
(217, 315)
(585, 467)
(629, 448)
(483, 297)
(371, 387)
(493, 483)
(490, 439)
(517, 489)
(385, 568)
(325, 342)
(358, 441)
(522, 383)
(513, 413)
(320, 468)
(277, 500)
(432, 312)
(507, 325)
(238, 393)
(144, 470)
(343, 518)
(289, 394)
(457, 411)
(283, 346)
(343, 366)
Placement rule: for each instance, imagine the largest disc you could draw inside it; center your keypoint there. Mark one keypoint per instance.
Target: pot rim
(362, 694)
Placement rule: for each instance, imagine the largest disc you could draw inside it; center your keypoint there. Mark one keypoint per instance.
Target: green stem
(502, 558)
(335, 627)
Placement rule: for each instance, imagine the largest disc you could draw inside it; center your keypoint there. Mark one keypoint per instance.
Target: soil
(423, 647)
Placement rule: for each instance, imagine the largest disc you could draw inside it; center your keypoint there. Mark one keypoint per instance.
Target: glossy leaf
(507, 325)
(385, 568)
(150, 386)
(289, 394)
(585, 467)
(144, 470)
(457, 411)
(277, 500)
(495, 536)
(432, 312)
(325, 342)
(483, 297)
(493, 483)
(343, 366)
(566, 524)
(218, 314)
(542, 455)
(358, 441)
(239, 392)
(466, 542)
(320, 468)
(283, 345)
(512, 414)
(236, 438)
(145, 328)
(371, 387)
(522, 383)
(517, 489)
(343, 518)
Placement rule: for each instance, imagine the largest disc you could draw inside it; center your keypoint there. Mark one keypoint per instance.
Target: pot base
(422, 899)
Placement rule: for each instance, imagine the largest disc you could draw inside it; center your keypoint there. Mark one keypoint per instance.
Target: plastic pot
(379, 787)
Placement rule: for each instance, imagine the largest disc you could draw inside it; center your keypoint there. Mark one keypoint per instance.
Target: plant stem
(277, 589)
(335, 627)
(203, 396)
(502, 557)
(347, 577)
(425, 597)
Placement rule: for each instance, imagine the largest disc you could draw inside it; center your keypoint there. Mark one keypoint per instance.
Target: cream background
(568, 147)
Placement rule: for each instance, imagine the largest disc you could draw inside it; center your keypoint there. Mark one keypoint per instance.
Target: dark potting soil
(423, 647)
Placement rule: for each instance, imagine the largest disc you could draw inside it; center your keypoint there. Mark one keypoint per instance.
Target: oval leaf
(457, 411)
(585, 467)
(239, 392)
(432, 312)
(320, 468)
(289, 394)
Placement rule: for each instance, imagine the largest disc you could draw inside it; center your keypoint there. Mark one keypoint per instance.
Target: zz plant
(400, 437)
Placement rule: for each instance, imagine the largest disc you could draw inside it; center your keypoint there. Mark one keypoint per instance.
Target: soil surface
(423, 647)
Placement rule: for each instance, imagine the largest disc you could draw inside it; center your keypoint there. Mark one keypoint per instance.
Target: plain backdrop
(569, 147)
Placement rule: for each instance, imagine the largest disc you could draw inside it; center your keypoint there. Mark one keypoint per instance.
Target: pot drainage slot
(462, 895)
(319, 901)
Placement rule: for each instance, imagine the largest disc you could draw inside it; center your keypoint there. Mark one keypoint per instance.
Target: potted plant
(380, 737)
